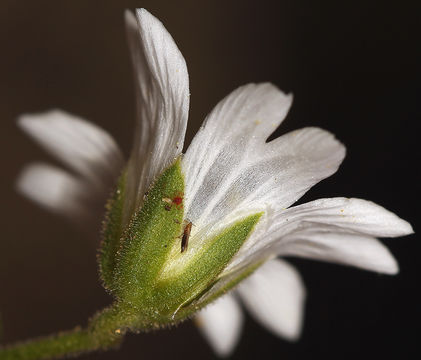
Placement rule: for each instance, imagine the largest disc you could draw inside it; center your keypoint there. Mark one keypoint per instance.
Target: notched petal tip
(319, 144)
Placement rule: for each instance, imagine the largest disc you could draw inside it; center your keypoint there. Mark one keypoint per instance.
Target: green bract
(143, 266)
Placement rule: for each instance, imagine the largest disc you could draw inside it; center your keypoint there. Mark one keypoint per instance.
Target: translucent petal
(53, 188)
(221, 323)
(360, 219)
(358, 215)
(230, 168)
(84, 147)
(323, 243)
(162, 94)
(274, 295)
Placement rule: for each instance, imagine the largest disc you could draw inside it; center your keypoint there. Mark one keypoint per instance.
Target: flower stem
(104, 331)
(51, 347)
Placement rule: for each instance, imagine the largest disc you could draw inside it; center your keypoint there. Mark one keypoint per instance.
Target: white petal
(229, 167)
(323, 243)
(84, 147)
(220, 323)
(275, 295)
(359, 218)
(53, 188)
(162, 93)
(358, 215)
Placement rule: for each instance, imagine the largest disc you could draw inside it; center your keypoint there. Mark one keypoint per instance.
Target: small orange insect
(185, 238)
(176, 200)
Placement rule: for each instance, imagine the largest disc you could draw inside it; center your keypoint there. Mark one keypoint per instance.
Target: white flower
(230, 171)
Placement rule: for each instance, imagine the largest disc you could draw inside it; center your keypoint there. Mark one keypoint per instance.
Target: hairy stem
(105, 331)
(51, 347)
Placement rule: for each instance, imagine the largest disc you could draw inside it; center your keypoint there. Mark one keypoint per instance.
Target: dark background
(354, 70)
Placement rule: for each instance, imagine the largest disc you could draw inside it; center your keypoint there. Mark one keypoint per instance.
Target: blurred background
(354, 69)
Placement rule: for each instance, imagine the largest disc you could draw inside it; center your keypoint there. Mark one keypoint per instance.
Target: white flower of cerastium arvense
(191, 235)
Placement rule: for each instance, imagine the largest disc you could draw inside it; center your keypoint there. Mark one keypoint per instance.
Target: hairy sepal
(151, 275)
(150, 234)
(174, 295)
(184, 285)
(111, 234)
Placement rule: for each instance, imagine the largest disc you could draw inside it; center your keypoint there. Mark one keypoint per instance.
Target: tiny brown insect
(185, 238)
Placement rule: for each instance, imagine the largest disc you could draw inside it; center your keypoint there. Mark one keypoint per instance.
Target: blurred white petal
(53, 188)
(84, 147)
(221, 323)
(275, 295)
(162, 94)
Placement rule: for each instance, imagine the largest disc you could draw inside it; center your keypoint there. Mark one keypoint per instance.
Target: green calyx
(111, 234)
(146, 267)
(157, 275)
(149, 237)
